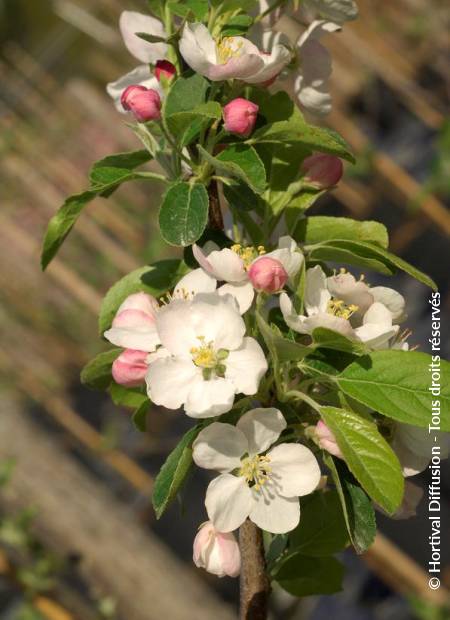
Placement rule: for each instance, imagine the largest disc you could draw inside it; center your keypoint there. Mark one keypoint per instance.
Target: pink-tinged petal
(323, 171)
(327, 440)
(230, 553)
(169, 381)
(165, 69)
(219, 446)
(139, 76)
(130, 368)
(246, 366)
(240, 116)
(216, 552)
(239, 67)
(144, 103)
(242, 292)
(133, 329)
(207, 399)
(262, 428)
(274, 513)
(228, 502)
(294, 469)
(140, 301)
(130, 23)
(202, 259)
(197, 47)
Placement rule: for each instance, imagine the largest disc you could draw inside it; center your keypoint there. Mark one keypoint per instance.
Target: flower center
(206, 357)
(338, 308)
(228, 48)
(248, 253)
(255, 470)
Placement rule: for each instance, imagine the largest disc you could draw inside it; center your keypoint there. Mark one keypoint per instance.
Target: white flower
(413, 447)
(347, 306)
(263, 487)
(205, 357)
(130, 23)
(311, 85)
(216, 552)
(231, 265)
(230, 57)
(335, 10)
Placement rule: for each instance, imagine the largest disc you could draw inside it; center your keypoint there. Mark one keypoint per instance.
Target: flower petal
(261, 427)
(228, 502)
(130, 23)
(207, 399)
(377, 328)
(217, 318)
(196, 281)
(219, 446)
(169, 381)
(197, 47)
(176, 327)
(294, 469)
(139, 76)
(317, 295)
(243, 293)
(227, 265)
(273, 64)
(246, 366)
(329, 321)
(274, 513)
(393, 301)
(291, 318)
(133, 329)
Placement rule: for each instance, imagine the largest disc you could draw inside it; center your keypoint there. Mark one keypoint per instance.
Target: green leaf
(184, 8)
(116, 168)
(318, 228)
(281, 348)
(154, 279)
(174, 472)
(329, 339)
(368, 456)
(184, 213)
(150, 38)
(305, 576)
(240, 197)
(139, 417)
(185, 126)
(298, 205)
(97, 373)
(357, 507)
(240, 161)
(237, 26)
(367, 255)
(322, 529)
(62, 222)
(185, 94)
(127, 397)
(396, 384)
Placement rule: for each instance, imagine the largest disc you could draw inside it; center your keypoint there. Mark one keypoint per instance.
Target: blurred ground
(390, 86)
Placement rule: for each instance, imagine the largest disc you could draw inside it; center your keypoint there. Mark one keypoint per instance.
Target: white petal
(317, 29)
(261, 427)
(246, 366)
(291, 261)
(227, 265)
(393, 301)
(200, 256)
(176, 327)
(317, 295)
(314, 98)
(197, 47)
(169, 381)
(219, 446)
(217, 318)
(207, 399)
(292, 319)
(329, 321)
(196, 281)
(228, 502)
(294, 469)
(336, 10)
(411, 463)
(377, 328)
(130, 23)
(140, 339)
(344, 286)
(139, 76)
(242, 292)
(274, 513)
(273, 65)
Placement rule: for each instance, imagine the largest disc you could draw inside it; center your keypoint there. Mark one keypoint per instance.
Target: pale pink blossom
(134, 325)
(326, 440)
(217, 552)
(267, 274)
(322, 170)
(144, 103)
(130, 368)
(240, 116)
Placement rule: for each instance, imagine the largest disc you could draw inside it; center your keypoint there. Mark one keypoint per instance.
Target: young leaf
(281, 348)
(115, 168)
(154, 279)
(185, 94)
(397, 384)
(240, 161)
(174, 472)
(185, 126)
(305, 576)
(139, 417)
(127, 397)
(318, 228)
(97, 373)
(357, 508)
(329, 339)
(368, 456)
(322, 529)
(237, 26)
(184, 213)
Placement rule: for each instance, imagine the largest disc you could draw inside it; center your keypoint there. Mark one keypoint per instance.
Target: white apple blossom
(263, 486)
(230, 57)
(231, 265)
(205, 358)
(345, 305)
(413, 447)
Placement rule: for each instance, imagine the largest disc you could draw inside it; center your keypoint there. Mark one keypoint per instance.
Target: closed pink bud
(164, 68)
(130, 368)
(144, 103)
(216, 552)
(240, 116)
(267, 274)
(322, 170)
(327, 440)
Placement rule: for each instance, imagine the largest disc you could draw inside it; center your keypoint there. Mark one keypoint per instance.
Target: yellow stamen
(255, 470)
(337, 308)
(228, 48)
(248, 253)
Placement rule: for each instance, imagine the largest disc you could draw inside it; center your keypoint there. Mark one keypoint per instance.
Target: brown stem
(254, 582)
(215, 213)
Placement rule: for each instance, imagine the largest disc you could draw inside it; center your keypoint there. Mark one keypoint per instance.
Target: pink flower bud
(267, 274)
(130, 368)
(166, 69)
(240, 116)
(322, 170)
(216, 552)
(144, 103)
(327, 440)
